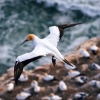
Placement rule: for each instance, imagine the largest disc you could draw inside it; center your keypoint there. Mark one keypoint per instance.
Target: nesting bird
(23, 78)
(80, 96)
(10, 87)
(42, 47)
(73, 73)
(81, 79)
(84, 53)
(48, 78)
(94, 49)
(62, 86)
(69, 67)
(94, 66)
(95, 84)
(54, 97)
(36, 87)
(23, 96)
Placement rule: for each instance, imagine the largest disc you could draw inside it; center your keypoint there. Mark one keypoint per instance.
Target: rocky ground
(60, 73)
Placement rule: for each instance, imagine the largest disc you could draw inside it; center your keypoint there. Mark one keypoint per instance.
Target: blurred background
(21, 17)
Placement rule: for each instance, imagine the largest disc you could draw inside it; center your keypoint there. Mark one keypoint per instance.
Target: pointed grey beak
(68, 25)
(23, 42)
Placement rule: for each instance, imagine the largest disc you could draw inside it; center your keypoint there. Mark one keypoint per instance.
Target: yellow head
(29, 37)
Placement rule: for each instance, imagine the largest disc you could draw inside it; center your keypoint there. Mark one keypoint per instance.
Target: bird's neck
(36, 40)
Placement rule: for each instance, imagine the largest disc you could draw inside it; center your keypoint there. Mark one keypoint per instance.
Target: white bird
(95, 84)
(94, 49)
(62, 86)
(48, 77)
(35, 85)
(80, 96)
(23, 78)
(84, 53)
(98, 97)
(23, 96)
(70, 67)
(10, 87)
(81, 79)
(73, 73)
(94, 66)
(54, 97)
(42, 47)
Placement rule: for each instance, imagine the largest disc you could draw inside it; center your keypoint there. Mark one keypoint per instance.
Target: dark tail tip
(68, 25)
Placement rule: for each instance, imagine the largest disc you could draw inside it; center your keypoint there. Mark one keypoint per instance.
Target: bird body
(98, 97)
(94, 49)
(81, 79)
(10, 87)
(68, 67)
(22, 96)
(73, 73)
(48, 77)
(23, 78)
(95, 84)
(94, 66)
(80, 96)
(54, 97)
(43, 47)
(34, 84)
(84, 53)
(62, 86)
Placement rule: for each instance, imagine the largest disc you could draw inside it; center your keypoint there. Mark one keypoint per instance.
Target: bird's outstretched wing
(56, 33)
(26, 58)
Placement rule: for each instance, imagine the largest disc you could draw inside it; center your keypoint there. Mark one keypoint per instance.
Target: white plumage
(10, 87)
(81, 96)
(70, 67)
(23, 78)
(73, 73)
(94, 49)
(48, 77)
(62, 86)
(35, 85)
(54, 97)
(95, 84)
(22, 96)
(81, 79)
(94, 66)
(42, 47)
(84, 53)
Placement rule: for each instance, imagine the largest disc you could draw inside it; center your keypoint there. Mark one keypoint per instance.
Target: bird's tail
(67, 25)
(67, 62)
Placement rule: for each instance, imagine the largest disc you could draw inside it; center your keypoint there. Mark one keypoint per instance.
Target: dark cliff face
(61, 73)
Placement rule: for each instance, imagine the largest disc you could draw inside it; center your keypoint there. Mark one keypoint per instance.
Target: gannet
(48, 77)
(62, 86)
(94, 66)
(42, 47)
(34, 83)
(81, 79)
(94, 49)
(70, 67)
(23, 96)
(95, 84)
(54, 97)
(73, 73)
(84, 53)
(35, 86)
(23, 78)
(80, 96)
(10, 87)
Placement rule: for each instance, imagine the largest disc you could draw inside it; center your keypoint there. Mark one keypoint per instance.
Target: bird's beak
(23, 42)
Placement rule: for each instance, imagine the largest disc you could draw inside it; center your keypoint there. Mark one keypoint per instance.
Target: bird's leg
(54, 61)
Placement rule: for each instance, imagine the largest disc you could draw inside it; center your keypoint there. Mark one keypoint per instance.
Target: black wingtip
(68, 25)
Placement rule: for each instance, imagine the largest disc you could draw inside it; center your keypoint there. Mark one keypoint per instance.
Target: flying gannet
(43, 47)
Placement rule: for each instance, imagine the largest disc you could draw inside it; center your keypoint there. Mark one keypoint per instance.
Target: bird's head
(29, 37)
